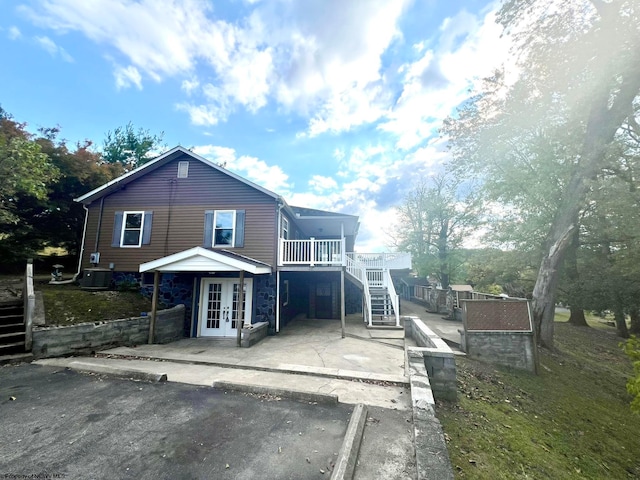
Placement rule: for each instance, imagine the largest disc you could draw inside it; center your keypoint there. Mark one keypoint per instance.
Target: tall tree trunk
(443, 256)
(605, 117)
(576, 316)
(621, 321)
(634, 313)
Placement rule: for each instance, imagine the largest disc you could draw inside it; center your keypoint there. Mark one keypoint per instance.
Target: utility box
(96, 279)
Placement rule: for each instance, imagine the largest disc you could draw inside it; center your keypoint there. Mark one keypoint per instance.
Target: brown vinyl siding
(204, 189)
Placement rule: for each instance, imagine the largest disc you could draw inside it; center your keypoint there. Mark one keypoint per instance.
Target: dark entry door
(323, 300)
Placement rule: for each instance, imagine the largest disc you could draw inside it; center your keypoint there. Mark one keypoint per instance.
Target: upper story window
(132, 229)
(225, 226)
(285, 228)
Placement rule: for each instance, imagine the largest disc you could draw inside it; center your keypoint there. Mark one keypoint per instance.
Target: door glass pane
(234, 309)
(213, 305)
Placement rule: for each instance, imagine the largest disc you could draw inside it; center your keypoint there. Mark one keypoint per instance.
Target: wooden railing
(312, 252)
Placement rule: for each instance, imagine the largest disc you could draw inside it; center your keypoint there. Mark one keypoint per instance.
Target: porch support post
(240, 314)
(154, 306)
(278, 301)
(342, 300)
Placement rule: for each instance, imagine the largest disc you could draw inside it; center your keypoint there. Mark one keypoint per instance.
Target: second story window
(224, 221)
(285, 228)
(223, 228)
(132, 225)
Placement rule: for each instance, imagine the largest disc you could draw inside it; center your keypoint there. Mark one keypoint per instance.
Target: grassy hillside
(570, 422)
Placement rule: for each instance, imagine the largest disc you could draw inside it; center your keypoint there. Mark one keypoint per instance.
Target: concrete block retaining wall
(438, 358)
(512, 349)
(56, 341)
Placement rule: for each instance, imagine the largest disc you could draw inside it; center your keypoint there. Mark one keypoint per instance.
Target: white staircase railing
(373, 275)
(395, 298)
(359, 271)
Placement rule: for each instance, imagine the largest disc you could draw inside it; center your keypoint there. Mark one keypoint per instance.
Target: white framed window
(285, 228)
(285, 293)
(132, 228)
(224, 222)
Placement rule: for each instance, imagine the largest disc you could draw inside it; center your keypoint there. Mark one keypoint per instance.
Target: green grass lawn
(572, 421)
(68, 304)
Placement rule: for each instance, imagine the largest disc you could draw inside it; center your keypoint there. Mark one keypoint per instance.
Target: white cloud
(14, 33)
(300, 54)
(189, 86)
(127, 77)
(320, 183)
(468, 49)
(53, 49)
(271, 177)
(201, 115)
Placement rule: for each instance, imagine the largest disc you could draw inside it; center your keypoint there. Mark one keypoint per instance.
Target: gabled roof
(157, 162)
(199, 259)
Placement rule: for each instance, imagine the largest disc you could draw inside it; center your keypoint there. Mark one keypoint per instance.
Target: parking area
(67, 425)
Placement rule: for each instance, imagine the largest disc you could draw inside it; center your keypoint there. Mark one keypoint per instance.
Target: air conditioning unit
(94, 258)
(96, 279)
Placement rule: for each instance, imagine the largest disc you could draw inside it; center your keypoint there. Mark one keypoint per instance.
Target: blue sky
(335, 104)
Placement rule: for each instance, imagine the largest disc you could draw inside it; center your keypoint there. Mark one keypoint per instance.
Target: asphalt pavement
(57, 423)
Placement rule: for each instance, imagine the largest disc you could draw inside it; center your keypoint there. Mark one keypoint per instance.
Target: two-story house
(200, 228)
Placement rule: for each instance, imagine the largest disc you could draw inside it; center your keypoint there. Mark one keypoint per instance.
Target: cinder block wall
(83, 338)
(512, 349)
(438, 358)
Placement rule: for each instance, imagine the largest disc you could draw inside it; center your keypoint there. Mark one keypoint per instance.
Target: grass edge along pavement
(572, 421)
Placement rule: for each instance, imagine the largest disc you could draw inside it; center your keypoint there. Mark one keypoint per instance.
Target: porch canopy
(199, 259)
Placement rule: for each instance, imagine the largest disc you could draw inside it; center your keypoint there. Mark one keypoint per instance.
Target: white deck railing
(392, 261)
(312, 252)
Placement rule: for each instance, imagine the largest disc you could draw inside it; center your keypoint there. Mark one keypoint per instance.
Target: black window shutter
(146, 230)
(117, 230)
(239, 241)
(207, 242)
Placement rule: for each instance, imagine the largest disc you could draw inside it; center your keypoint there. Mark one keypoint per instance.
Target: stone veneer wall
(512, 349)
(438, 358)
(264, 305)
(174, 289)
(55, 341)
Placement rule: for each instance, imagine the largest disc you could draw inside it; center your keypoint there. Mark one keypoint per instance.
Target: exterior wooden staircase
(371, 273)
(12, 332)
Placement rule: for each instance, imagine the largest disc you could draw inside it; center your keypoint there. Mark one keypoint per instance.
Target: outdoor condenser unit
(96, 279)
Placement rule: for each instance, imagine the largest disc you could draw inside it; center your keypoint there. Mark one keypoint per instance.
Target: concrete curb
(291, 369)
(325, 398)
(348, 455)
(118, 372)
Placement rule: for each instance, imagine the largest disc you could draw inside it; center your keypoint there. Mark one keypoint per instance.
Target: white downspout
(84, 233)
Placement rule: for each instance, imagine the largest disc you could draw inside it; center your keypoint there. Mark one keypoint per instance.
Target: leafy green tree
(129, 147)
(25, 171)
(435, 218)
(539, 140)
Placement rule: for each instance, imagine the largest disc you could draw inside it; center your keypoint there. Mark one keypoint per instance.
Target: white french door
(219, 306)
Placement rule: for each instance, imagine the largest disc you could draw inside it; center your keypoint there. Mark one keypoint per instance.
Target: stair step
(16, 358)
(9, 319)
(12, 327)
(12, 348)
(11, 337)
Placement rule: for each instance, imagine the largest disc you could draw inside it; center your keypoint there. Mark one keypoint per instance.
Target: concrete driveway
(68, 425)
